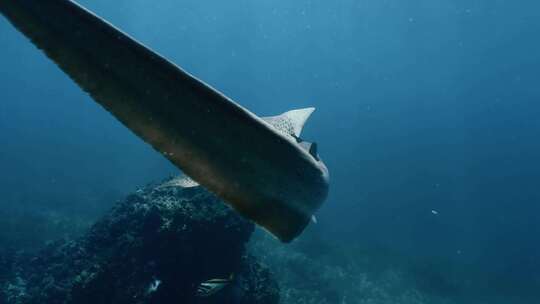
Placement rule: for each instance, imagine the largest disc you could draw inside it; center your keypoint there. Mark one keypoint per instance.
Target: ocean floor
(160, 244)
(309, 272)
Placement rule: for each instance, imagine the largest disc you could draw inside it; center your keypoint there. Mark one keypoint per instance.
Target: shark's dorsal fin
(291, 122)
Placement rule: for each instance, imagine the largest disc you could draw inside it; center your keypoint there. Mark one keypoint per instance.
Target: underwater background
(427, 118)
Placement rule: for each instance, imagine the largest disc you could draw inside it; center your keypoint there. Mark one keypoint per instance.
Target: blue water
(427, 117)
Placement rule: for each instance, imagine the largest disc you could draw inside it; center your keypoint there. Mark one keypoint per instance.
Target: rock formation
(156, 246)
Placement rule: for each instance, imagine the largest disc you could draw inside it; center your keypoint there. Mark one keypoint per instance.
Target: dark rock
(156, 246)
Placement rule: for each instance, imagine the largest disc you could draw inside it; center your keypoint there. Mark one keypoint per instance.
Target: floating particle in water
(435, 212)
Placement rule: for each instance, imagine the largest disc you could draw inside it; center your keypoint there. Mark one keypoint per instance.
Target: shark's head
(312, 183)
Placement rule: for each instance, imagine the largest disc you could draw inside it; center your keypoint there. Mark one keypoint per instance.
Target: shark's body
(259, 166)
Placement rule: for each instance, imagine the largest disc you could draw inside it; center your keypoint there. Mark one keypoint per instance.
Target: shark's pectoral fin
(182, 181)
(291, 122)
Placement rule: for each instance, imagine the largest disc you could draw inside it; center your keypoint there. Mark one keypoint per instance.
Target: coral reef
(156, 246)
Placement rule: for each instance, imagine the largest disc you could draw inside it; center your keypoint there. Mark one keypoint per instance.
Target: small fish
(435, 212)
(213, 286)
(153, 286)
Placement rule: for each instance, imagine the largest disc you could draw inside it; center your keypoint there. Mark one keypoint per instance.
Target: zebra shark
(258, 165)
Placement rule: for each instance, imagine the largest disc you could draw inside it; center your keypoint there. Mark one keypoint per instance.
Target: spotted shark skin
(264, 174)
